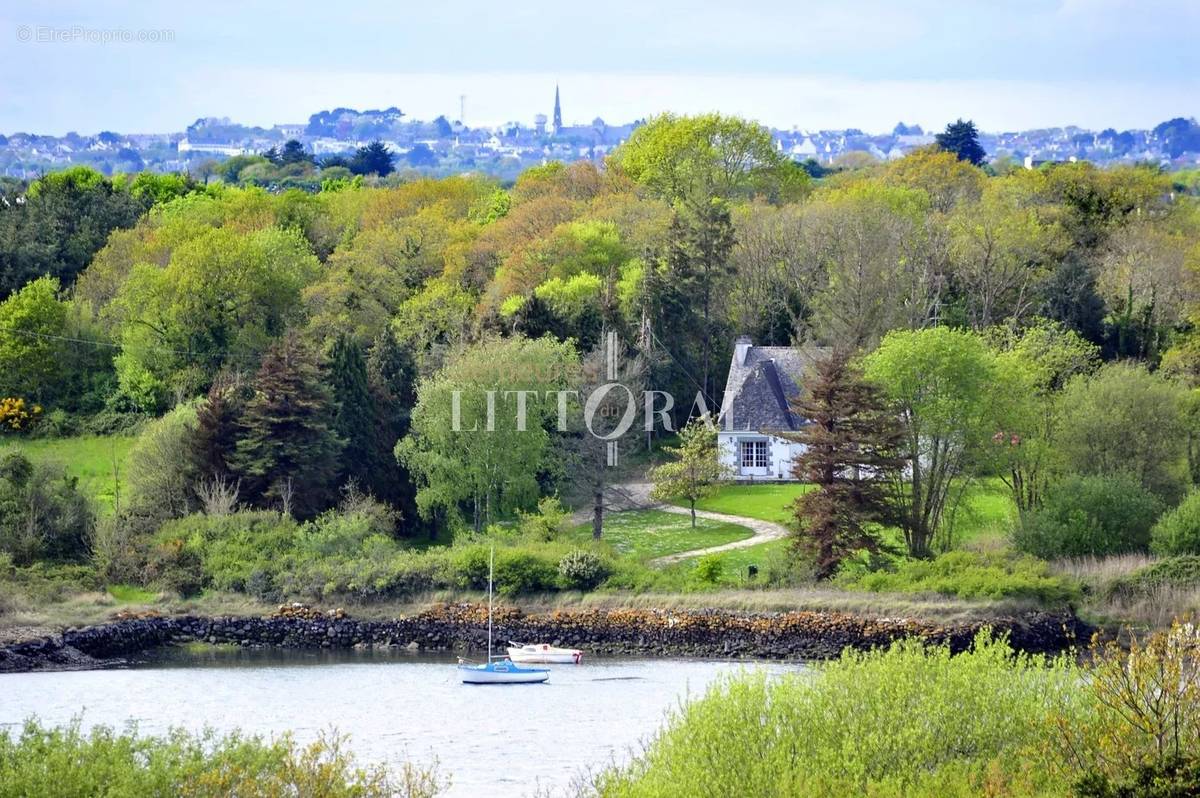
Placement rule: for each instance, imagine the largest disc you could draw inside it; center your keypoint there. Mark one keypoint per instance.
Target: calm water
(502, 740)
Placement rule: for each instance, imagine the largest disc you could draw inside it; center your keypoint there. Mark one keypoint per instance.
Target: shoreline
(728, 634)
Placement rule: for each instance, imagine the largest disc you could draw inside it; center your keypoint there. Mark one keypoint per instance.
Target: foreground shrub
(44, 582)
(68, 762)
(903, 721)
(970, 575)
(524, 571)
(1144, 724)
(1089, 516)
(1178, 531)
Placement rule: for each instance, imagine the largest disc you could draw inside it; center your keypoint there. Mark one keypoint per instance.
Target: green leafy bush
(1092, 515)
(1172, 572)
(582, 569)
(229, 547)
(43, 515)
(45, 582)
(907, 720)
(550, 522)
(69, 763)
(1175, 777)
(523, 571)
(1178, 530)
(174, 566)
(709, 569)
(970, 575)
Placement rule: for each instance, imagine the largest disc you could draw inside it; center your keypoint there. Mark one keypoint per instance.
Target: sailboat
(498, 670)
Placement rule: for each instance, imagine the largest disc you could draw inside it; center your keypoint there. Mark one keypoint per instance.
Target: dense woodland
(282, 355)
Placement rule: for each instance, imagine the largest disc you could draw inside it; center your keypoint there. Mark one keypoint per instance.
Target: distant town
(443, 146)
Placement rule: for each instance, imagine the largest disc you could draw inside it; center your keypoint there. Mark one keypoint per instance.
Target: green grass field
(983, 514)
(93, 459)
(647, 534)
(769, 502)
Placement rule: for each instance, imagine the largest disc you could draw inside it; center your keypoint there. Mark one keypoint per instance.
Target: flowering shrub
(16, 415)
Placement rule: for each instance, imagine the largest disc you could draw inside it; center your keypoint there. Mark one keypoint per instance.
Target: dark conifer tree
(392, 381)
(372, 159)
(962, 139)
(287, 454)
(354, 420)
(215, 439)
(684, 295)
(850, 439)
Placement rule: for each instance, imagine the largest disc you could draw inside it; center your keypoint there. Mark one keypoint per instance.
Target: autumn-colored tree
(850, 441)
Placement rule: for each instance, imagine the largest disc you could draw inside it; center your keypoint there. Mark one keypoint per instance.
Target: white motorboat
(543, 652)
(498, 670)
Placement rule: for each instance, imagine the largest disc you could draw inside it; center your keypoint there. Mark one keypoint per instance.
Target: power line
(125, 347)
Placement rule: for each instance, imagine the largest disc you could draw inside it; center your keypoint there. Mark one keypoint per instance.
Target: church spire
(557, 124)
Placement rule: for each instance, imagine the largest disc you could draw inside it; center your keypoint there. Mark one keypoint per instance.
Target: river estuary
(499, 740)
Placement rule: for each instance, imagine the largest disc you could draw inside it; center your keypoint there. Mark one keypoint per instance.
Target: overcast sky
(1008, 64)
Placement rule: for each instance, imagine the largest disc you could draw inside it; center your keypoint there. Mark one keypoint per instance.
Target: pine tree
(215, 439)
(287, 454)
(354, 419)
(685, 295)
(372, 159)
(962, 139)
(392, 380)
(850, 442)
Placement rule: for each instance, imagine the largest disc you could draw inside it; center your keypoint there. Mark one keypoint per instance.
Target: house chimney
(741, 348)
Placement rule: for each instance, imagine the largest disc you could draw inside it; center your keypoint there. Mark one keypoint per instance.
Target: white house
(756, 409)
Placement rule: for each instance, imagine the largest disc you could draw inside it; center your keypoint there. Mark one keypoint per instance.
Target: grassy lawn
(132, 594)
(652, 533)
(735, 564)
(983, 515)
(769, 502)
(90, 458)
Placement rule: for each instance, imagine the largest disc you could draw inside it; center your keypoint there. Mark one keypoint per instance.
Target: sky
(1008, 64)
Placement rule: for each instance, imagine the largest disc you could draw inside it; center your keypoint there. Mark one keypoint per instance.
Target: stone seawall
(688, 633)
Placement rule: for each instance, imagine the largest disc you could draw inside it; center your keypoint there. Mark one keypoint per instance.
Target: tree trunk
(693, 503)
(598, 515)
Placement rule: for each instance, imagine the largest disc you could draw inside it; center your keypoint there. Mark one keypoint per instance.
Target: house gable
(763, 382)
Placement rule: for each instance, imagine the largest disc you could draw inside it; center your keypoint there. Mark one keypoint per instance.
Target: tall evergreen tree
(962, 139)
(684, 297)
(287, 454)
(214, 441)
(392, 381)
(354, 419)
(850, 441)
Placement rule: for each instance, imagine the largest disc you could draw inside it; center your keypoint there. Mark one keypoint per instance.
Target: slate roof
(762, 383)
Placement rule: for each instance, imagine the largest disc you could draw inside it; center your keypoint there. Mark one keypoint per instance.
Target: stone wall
(460, 627)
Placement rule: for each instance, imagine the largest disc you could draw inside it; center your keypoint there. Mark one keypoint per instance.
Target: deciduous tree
(938, 382)
(696, 467)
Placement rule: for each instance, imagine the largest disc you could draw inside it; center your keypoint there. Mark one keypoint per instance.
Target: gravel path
(636, 496)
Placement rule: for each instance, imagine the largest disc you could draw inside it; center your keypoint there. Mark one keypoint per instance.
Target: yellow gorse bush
(16, 415)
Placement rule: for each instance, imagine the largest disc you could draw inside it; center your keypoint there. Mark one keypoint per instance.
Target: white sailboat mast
(491, 570)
